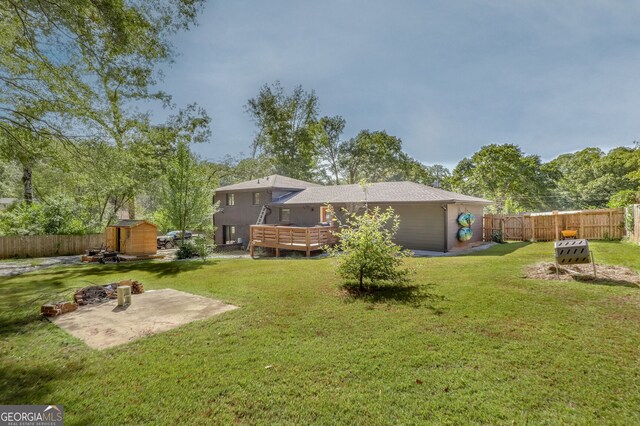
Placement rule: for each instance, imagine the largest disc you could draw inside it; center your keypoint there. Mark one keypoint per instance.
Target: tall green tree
(240, 169)
(413, 170)
(503, 173)
(9, 176)
(287, 126)
(375, 156)
(74, 71)
(63, 61)
(188, 192)
(330, 130)
(589, 178)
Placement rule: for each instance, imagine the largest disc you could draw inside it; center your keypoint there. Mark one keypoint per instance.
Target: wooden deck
(305, 239)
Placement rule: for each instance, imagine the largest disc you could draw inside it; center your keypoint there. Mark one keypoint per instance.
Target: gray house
(429, 217)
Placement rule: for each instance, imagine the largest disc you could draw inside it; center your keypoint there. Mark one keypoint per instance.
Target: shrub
(186, 250)
(497, 236)
(203, 247)
(62, 216)
(366, 250)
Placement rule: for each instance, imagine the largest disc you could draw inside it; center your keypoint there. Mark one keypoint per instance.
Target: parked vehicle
(176, 235)
(165, 242)
(171, 239)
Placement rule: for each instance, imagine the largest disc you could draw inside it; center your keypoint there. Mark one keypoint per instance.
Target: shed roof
(130, 223)
(383, 192)
(269, 182)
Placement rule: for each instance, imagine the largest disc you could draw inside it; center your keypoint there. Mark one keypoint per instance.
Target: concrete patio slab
(107, 325)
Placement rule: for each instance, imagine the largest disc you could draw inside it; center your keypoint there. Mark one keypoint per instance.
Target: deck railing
(305, 239)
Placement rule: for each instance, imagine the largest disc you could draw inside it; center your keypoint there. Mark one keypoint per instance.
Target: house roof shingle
(383, 192)
(269, 182)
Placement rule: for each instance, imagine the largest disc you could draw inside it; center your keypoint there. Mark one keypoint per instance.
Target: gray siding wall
(453, 210)
(310, 215)
(241, 215)
(421, 226)
(244, 214)
(305, 215)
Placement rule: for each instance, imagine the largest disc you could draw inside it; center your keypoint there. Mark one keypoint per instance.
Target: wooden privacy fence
(634, 234)
(48, 245)
(599, 224)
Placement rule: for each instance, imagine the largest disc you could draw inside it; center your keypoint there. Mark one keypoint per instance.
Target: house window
(229, 232)
(285, 215)
(256, 198)
(231, 199)
(325, 214)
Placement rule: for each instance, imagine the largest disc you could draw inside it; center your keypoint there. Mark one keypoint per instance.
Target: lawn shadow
(404, 294)
(18, 322)
(24, 383)
(62, 274)
(21, 296)
(499, 249)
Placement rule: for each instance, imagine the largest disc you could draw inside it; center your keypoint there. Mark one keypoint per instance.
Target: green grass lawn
(471, 343)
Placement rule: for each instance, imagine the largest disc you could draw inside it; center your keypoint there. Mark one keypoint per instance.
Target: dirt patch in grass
(606, 274)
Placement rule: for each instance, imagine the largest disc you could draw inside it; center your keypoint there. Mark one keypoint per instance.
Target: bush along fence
(601, 224)
(48, 245)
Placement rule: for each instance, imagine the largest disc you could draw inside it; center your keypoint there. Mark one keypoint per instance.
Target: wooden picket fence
(48, 245)
(598, 224)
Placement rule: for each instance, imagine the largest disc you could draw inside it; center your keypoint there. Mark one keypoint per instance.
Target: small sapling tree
(365, 250)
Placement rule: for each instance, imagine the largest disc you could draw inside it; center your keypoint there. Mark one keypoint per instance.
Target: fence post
(580, 215)
(533, 228)
(555, 221)
(610, 223)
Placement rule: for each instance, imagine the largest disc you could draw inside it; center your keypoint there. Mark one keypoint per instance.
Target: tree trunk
(361, 277)
(131, 207)
(27, 182)
(336, 173)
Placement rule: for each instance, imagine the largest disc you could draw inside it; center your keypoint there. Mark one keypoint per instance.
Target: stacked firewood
(54, 309)
(136, 286)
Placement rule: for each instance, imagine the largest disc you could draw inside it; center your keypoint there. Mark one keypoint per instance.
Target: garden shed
(132, 237)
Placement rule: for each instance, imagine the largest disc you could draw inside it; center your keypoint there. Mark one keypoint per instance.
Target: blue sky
(445, 76)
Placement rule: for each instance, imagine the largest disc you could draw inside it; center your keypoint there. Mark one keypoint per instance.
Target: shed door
(110, 238)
